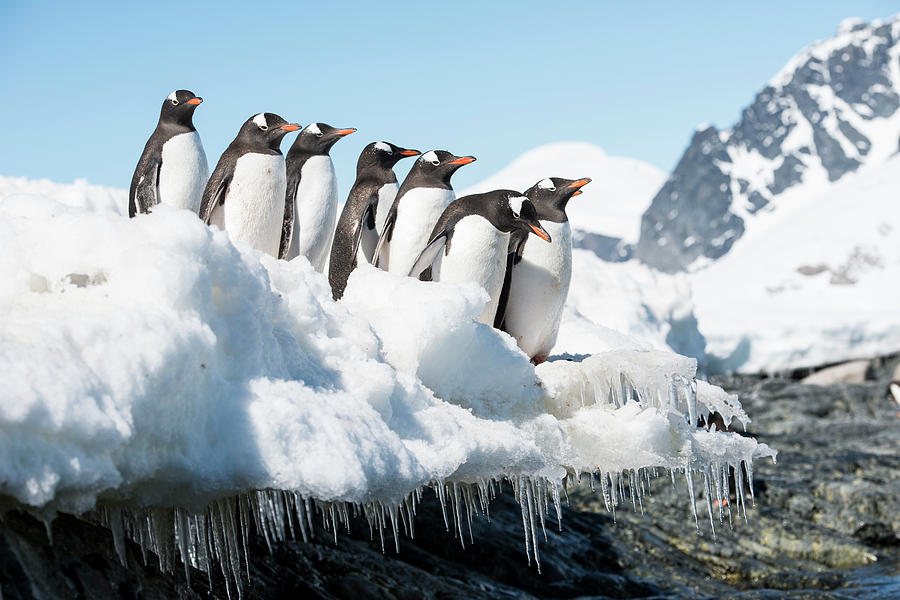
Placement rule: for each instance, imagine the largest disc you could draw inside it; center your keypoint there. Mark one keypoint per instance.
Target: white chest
(538, 290)
(417, 213)
(183, 172)
(478, 254)
(254, 205)
(315, 211)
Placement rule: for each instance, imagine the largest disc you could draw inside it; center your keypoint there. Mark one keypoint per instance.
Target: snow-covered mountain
(832, 110)
(607, 216)
(816, 281)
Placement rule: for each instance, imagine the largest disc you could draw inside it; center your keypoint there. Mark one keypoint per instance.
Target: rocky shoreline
(826, 525)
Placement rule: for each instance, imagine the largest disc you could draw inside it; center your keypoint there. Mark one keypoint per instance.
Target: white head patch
(546, 184)
(430, 156)
(313, 128)
(515, 203)
(384, 147)
(260, 120)
(173, 96)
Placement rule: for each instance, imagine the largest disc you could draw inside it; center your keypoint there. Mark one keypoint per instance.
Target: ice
(186, 393)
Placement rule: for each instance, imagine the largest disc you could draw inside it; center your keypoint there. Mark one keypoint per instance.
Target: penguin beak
(540, 232)
(409, 153)
(463, 160)
(343, 132)
(290, 127)
(580, 183)
(195, 101)
(577, 193)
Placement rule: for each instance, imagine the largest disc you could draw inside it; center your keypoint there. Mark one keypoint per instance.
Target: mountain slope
(831, 111)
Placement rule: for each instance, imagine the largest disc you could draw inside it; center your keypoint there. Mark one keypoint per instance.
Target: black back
(260, 134)
(494, 206)
(316, 139)
(374, 169)
(176, 116)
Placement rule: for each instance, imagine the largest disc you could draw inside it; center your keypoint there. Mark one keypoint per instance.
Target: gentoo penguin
(470, 242)
(245, 195)
(538, 275)
(355, 236)
(310, 206)
(423, 196)
(173, 167)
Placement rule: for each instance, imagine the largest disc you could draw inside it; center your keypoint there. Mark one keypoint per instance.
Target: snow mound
(191, 389)
(813, 283)
(620, 191)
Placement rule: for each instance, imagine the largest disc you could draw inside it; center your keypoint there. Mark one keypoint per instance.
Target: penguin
(424, 194)
(538, 275)
(245, 195)
(355, 236)
(173, 167)
(310, 206)
(470, 242)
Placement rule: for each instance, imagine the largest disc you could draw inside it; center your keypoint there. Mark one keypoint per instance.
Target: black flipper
(144, 192)
(386, 234)
(429, 254)
(287, 226)
(214, 194)
(514, 255)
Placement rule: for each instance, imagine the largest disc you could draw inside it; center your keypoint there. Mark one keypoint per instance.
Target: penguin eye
(551, 188)
(515, 214)
(319, 134)
(264, 127)
(435, 162)
(174, 102)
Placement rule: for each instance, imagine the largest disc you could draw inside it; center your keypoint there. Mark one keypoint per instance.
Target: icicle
(689, 476)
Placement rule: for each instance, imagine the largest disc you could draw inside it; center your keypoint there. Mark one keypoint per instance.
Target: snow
(759, 311)
(620, 191)
(174, 379)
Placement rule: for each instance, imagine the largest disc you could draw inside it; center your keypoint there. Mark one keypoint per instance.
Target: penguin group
(288, 207)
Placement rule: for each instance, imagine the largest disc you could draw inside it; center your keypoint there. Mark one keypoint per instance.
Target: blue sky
(82, 82)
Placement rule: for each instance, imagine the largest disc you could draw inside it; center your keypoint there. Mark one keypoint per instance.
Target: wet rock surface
(826, 525)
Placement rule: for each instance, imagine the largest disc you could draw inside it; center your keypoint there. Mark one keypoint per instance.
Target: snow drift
(188, 387)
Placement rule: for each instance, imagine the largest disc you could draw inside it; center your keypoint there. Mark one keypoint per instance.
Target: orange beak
(410, 153)
(345, 131)
(540, 232)
(580, 182)
(577, 193)
(464, 160)
(195, 101)
(290, 127)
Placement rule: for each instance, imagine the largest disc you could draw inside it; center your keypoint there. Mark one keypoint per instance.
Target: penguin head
(551, 195)
(318, 138)
(178, 108)
(438, 165)
(383, 155)
(265, 131)
(509, 210)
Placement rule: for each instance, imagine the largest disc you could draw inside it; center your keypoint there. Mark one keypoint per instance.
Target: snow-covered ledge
(181, 388)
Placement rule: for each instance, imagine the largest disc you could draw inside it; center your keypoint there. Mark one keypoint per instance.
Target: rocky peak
(831, 109)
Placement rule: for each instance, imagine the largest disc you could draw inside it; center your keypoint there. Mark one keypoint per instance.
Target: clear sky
(81, 82)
